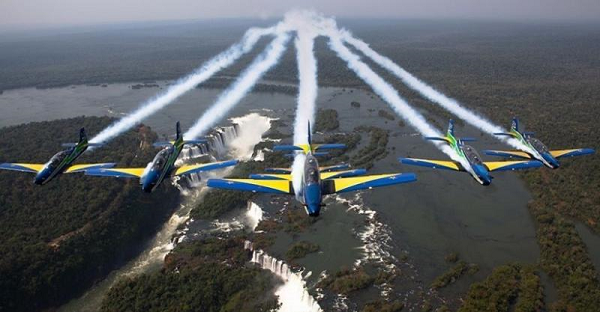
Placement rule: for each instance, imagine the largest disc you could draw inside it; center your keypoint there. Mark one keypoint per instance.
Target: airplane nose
(313, 210)
(551, 160)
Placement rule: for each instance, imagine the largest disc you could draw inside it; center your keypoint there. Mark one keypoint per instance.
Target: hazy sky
(61, 12)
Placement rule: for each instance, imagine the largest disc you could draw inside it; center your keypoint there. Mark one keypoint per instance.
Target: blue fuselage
(311, 186)
(58, 164)
(161, 167)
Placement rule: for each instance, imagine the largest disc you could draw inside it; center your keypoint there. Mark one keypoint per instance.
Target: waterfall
(254, 214)
(292, 295)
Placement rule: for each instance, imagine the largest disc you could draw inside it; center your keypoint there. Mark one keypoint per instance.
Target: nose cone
(39, 180)
(149, 181)
(482, 174)
(312, 199)
(551, 160)
(313, 210)
(41, 177)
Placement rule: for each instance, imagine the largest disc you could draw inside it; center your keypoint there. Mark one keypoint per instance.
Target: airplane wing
(83, 167)
(511, 165)
(509, 154)
(188, 169)
(342, 174)
(271, 176)
(34, 168)
(279, 170)
(116, 172)
(435, 164)
(253, 185)
(571, 152)
(334, 168)
(365, 182)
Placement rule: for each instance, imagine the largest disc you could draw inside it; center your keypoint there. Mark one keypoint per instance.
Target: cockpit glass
(58, 158)
(161, 159)
(313, 176)
(538, 145)
(472, 155)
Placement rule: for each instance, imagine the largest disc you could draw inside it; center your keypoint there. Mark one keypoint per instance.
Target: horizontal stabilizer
(365, 182)
(279, 170)
(271, 176)
(504, 134)
(161, 144)
(201, 141)
(468, 139)
(252, 185)
(68, 144)
(511, 165)
(435, 164)
(509, 154)
(572, 152)
(334, 168)
(189, 169)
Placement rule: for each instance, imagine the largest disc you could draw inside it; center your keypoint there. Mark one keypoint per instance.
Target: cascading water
(292, 295)
(166, 239)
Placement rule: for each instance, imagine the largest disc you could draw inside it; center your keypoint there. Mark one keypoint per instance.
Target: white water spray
(242, 85)
(292, 295)
(184, 85)
(429, 92)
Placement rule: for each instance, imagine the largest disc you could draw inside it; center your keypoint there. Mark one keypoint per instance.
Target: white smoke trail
(242, 85)
(307, 96)
(429, 92)
(307, 77)
(389, 94)
(184, 84)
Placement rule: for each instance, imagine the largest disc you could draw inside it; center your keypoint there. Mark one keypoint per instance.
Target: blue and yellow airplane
(162, 166)
(537, 149)
(315, 182)
(61, 162)
(479, 170)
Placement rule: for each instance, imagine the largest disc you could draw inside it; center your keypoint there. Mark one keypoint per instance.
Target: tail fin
(450, 127)
(515, 124)
(82, 136)
(178, 131)
(309, 137)
(514, 127)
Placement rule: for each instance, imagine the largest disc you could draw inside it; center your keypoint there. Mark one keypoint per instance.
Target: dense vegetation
(509, 288)
(327, 120)
(205, 275)
(300, 250)
(60, 238)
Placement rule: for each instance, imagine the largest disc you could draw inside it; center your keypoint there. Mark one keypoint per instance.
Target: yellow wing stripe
(559, 153)
(280, 185)
(132, 171)
(186, 168)
(344, 183)
(444, 163)
(518, 154)
(36, 167)
(80, 167)
(495, 165)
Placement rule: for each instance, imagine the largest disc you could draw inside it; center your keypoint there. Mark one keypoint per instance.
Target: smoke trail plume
(429, 92)
(307, 91)
(389, 94)
(184, 84)
(242, 85)
(307, 96)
